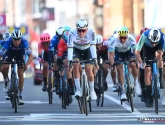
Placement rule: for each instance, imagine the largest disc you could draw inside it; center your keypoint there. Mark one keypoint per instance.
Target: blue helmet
(67, 28)
(65, 35)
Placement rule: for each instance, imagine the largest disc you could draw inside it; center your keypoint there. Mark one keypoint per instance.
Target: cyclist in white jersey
(82, 45)
(121, 45)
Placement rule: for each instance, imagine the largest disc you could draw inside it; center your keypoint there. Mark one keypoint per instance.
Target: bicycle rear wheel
(130, 98)
(102, 83)
(50, 83)
(156, 94)
(64, 93)
(98, 81)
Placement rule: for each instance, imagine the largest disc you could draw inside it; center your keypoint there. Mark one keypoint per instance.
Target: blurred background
(34, 17)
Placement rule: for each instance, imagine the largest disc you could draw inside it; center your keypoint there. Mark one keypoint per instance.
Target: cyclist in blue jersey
(152, 42)
(52, 53)
(15, 47)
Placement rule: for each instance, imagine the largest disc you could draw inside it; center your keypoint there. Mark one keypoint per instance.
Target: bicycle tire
(85, 95)
(129, 92)
(156, 94)
(50, 93)
(14, 92)
(98, 91)
(102, 95)
(64, 93)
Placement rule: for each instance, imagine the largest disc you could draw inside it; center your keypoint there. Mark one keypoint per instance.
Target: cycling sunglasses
(80, 30)
(123, 37)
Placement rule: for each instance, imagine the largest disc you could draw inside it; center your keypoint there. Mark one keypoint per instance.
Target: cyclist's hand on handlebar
(142, 65)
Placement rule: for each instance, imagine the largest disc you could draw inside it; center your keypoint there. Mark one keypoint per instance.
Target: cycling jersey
(1, 43)
(88, 41)
(137, 38)
(41, 47)
(8, 45)
(103, 51)
(54, 43)
(145, 40)
(61, 48)
(115, 44)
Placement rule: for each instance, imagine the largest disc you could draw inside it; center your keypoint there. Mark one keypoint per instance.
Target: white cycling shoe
(137, 88)
(78, 94)
(93, 95)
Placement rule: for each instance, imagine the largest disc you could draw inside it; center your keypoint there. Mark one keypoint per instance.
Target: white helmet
(82, 23)
(154, 35)
(16, 34)
(6, 36)
(99, 39)
(60, 31)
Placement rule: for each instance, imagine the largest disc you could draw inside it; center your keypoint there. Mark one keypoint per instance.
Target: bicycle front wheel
(14, 92)
(50, 83)
(130, 98)
(85, 95)
(156, 94)
(102, 82)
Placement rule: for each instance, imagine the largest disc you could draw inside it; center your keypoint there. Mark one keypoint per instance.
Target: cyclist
(44, 45)
(163, 90)
(15, 47)
(62, 58)
(121, 45)
(141, 71)
(5, 88)
(102, 51)
(82, 42)
(153, 43)
(53, 53)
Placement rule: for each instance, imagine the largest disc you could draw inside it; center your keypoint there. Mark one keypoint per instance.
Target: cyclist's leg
(56, 75)
(19, 55)
(105, 70)
(149, 55)
(5, 71)
(131, 56)
(118, 58)
(45, 71)
(90, 74)
(163, 90)
(68, 74)
(141, 79)
(113, 75)
(76, 71)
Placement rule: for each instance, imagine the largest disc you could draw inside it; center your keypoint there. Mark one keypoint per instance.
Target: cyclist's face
(16, 42)
(99, 46)
(153, 44)
(123, 39)
(45, 44)
(81, 32)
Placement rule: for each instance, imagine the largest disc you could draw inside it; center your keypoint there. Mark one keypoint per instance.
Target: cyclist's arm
(70, 47)
(111, 51)
(5, 47)
(93, 45)
(39, 50)
(139, 46)
(28, 51)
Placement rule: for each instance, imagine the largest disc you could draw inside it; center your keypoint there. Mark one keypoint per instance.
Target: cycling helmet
(123, 31)
(60, 31)
(81, 24)
(65, 35)
(6, 36)
(67, 28)
(45, 37)
(143, 30)
(16, 34)
(99, 39)
(154, 35)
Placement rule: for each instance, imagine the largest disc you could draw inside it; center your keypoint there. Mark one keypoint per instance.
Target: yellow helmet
(123, 31)
(163, 30)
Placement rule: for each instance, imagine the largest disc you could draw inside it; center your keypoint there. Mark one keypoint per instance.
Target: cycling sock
(45, 81)
(77, 83)
(70, 82)
(91, 85)
(19, 92)
(6, 81)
